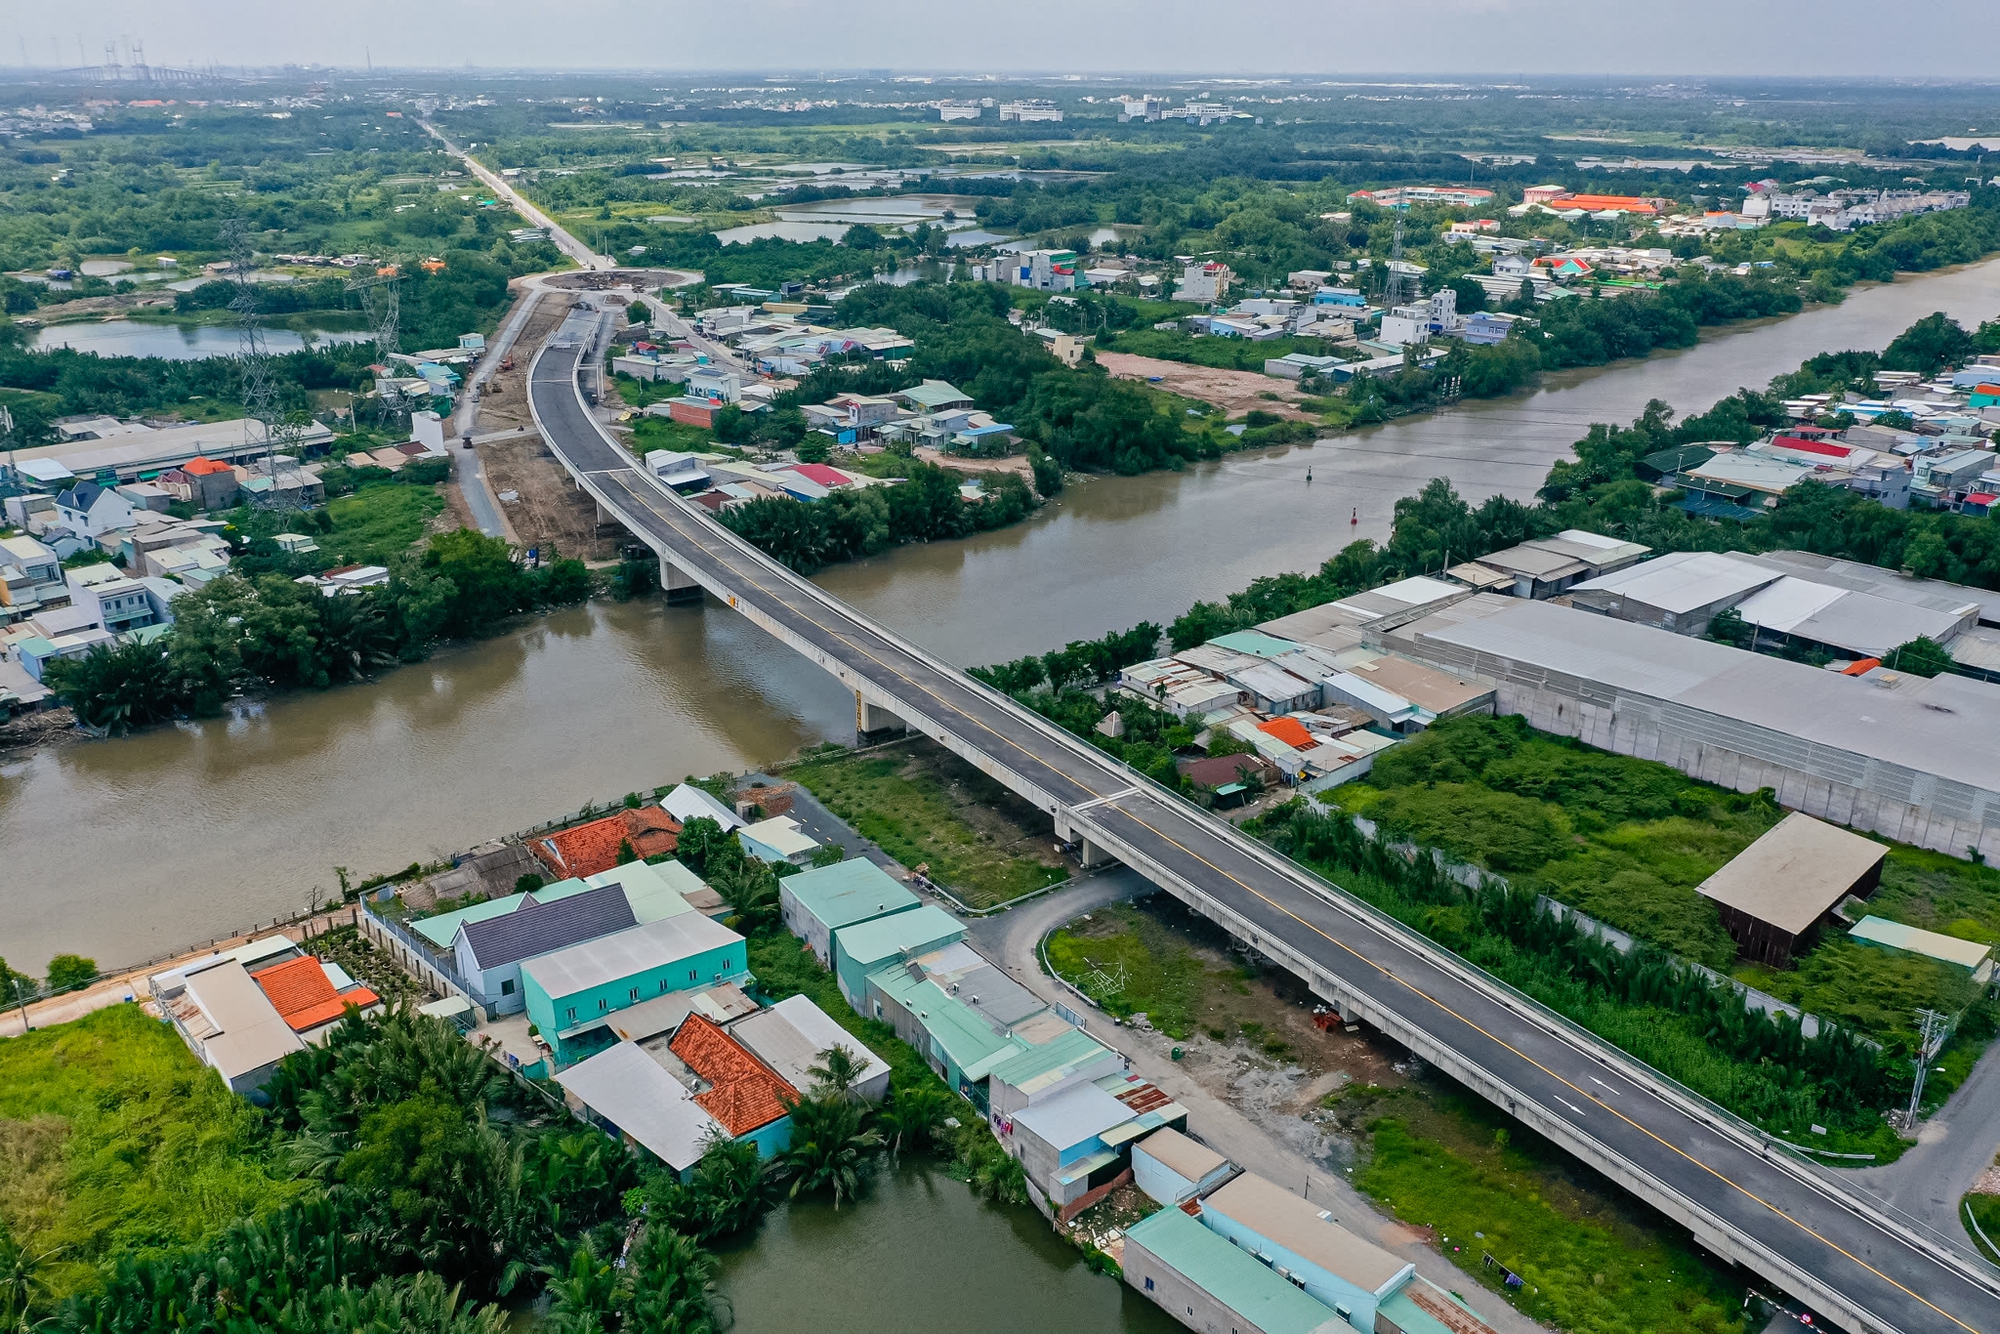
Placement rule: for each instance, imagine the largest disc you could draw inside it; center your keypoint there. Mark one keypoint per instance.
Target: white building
(1030, 109)
(1206, 283)
(958, 110)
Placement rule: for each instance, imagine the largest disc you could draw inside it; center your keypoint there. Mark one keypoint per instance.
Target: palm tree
(915, 1115)
(21, 1282)
(117, 687)
(583, 1292)
(353, 638)
(831, 1148)
(672, 1286)
(749, 887)
(837, 1072)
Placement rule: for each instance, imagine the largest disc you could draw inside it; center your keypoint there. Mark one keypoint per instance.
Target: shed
(1973, 956)
(778, 839)
(819, 902)
(1775, 894)
(626, 1092)
(1170, 1167)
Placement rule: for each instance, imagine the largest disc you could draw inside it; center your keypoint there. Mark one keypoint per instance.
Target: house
(117, 603)
(571, 993)
(32, 573)
(688, 802)
(790, 1036)
(1775, 895)
(1333, 1266)
(860, 949)
(1207, 283)
(935, 396)
(1549, 566)
(1078, 1143)
(91, 511)
(311, 995)
(818, 902)
(489, 951)
(628, 835)
(778, 839)
(747, 1098)
(1170, 1167)
(1065, 1058)
(1206, 1283)
(227, 1021)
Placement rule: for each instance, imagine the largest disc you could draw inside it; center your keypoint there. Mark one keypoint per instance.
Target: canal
(916, 1254)
(128, 849)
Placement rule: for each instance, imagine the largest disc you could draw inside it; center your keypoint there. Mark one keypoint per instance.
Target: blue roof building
(819, 902)
(860, 949)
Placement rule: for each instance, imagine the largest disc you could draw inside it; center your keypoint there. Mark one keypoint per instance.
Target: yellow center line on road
(1560, 1079)
(675, 520)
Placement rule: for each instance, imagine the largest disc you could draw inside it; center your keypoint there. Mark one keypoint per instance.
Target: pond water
(175, 342)
(916, 1255)
(785, 231)
(892, 210)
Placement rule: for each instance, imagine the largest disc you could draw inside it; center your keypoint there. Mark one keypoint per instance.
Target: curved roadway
(1740, 1197)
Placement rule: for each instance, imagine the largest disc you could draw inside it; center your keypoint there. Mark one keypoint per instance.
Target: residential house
(1078, 1142)
(146, 496)
(118, 603)
(778, 839)
(791, 1036)
(747, 1098)
(489, 951)
(1048, 1068)
(688, 802)
(818, 902)
(91, 511)
(571, 993)
(312, 995)
(935, 396)
(1207, 283)
(1333, 1266)
(1169, 1167)
(860, 949)
(627, 835)
(32, 574)
(227, 1021)
(1206, 1283)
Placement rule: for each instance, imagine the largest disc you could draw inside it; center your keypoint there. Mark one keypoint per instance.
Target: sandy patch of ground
(1234, 391)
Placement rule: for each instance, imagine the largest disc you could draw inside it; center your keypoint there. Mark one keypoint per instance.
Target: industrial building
(1886, 752)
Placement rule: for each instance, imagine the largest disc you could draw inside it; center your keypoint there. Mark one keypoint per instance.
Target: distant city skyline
(1615, 38)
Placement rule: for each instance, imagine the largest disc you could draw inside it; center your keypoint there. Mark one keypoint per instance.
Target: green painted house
(572, 993)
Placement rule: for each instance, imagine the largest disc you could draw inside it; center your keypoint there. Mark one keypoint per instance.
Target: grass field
(1128, 961)
(113, 1139)
(924, 806)
(1591, 1261)
(380, 521)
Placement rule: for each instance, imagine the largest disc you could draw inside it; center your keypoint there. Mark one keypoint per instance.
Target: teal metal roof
(1968, 954)
(921, 928)
(856, 890)
(1229, 1275)
(655, 892)
(967, 1039)
(1256, 643)
(1032, 1068)
(1414, 1319)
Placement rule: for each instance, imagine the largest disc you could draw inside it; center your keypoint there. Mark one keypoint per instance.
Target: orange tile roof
(1288, 730)
(590, 848)
(303, 996)
(746, 1093)
(202, 467)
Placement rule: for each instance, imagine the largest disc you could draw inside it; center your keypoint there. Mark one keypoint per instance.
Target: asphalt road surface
(1772, 1208)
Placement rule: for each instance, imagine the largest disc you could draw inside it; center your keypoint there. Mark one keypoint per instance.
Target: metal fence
(417, 959)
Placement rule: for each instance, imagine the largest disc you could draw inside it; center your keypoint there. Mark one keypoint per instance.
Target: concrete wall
(1668, 733)
(1156, 1280)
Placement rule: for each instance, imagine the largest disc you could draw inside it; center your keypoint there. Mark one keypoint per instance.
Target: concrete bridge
(1741, 1195)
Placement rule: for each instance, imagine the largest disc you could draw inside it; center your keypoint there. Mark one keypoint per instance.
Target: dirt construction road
(1234, 391)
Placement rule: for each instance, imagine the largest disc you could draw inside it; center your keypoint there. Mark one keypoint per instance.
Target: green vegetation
(925, 810)
(237, 631)
(1487, 1186)
(1130, 963)
(114, 1140)
(1985, 1211)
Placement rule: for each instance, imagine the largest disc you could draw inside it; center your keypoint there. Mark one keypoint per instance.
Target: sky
(1327, 37)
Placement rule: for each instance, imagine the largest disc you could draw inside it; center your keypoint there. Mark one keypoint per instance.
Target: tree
(1922, 656)
(69, 971)
(117, 687)
(703, 844)
(1934, 343)
(836, 1071)
(1728, 627)
(673, 1286)
(915, 1115)
(831, 1148)
(829, 854)
(749, 887)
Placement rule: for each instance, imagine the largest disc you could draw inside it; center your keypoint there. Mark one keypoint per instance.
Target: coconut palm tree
(914, 1116)
(831, 1148)
(672, 1286)
(836, 1072)
(748, 887)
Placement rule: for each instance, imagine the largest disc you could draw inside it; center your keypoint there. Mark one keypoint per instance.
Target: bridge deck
(1749, 1202)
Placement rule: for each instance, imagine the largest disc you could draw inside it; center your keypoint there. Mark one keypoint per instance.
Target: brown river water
(131, 848)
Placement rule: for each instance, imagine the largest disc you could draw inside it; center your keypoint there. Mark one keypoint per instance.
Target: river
(916, 1254)
(127, 849)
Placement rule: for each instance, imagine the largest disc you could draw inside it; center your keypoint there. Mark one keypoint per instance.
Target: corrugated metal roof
(851, 891)
(1792, 875)
(633, 1091)
(539, 928)
(1178, 1153)
(1682, 581)
(1277, 1215)
(622, 954)
(1232, 1277)
(1073, 1116)
(1071, 1051)
(1967, 954)
(924, 927)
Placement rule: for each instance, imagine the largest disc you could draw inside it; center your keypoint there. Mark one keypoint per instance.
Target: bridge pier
(1092, 856)
(678, 587)
(872, 722)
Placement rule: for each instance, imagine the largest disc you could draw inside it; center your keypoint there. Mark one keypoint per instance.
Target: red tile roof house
(745, 1096)
(305, 998)
(589, 848)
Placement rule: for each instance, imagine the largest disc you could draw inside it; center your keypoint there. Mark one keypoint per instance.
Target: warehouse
(1886, 752)
(1776, 894)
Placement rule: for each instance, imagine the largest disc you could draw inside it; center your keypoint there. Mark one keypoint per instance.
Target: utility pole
(1933, 1029)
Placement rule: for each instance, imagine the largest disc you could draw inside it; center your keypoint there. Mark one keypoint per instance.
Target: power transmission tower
(260, 391)
(1933, 1029)
(1392, 290)
(380, 302)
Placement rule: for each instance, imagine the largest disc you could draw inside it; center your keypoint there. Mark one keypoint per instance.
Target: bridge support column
(873, 722)
(1092, 856)
(677, 586)
(605, 518)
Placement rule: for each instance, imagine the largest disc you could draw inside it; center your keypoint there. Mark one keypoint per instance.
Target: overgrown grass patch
(1128, 961)
(926, 808)
(114, 1139)
(1589, 1263)
(379, 522)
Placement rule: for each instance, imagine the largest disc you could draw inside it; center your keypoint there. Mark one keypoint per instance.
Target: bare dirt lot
(1234, 391)
(548, 510)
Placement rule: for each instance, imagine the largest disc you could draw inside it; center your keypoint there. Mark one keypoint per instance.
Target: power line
(260, 391)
